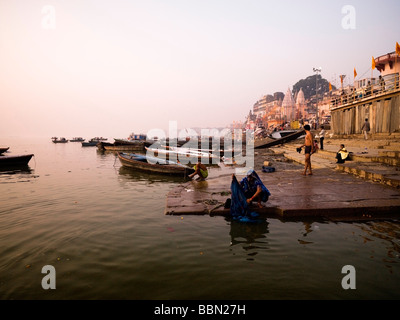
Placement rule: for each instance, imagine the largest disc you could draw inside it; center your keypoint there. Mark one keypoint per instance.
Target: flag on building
(397, 48)
(355, 73)
(373, 63)
(330, 86)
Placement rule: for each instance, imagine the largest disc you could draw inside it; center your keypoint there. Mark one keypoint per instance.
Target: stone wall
(383, 115)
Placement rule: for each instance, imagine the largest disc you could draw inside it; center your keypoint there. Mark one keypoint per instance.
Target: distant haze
(109, 68)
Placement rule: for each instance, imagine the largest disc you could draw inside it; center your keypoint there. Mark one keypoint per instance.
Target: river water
(102, 228)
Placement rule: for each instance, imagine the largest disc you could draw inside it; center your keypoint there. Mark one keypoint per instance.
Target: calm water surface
(103, 229)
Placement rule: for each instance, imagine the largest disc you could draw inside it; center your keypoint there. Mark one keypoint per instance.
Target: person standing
(322, 137)
(382, 83)
(366, 128)
(309, 150)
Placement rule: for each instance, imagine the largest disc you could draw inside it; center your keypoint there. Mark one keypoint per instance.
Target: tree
(309, 85)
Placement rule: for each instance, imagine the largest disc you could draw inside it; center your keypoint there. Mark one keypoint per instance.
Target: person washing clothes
(254, 189)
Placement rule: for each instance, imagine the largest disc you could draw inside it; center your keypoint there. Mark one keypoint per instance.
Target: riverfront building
(377, 101)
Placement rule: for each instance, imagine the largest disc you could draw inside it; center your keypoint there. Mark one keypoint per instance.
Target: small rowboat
(184, 154)
(147, 164)
(59, 140)
(90, 143)
(77, 139)
(2, 150)
(15, 161)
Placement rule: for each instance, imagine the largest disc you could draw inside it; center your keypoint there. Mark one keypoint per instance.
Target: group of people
(253, 188)
(311, 147)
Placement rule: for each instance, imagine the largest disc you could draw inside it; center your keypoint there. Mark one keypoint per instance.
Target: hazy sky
(109, 68)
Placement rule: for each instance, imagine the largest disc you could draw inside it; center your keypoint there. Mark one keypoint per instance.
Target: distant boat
(120, 145)
(15, 161)
(77, 139)
(59, 140)
(140, 162)
(5, 149)
(91, 143)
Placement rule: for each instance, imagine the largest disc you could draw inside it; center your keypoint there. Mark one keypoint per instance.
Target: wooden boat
(5, 149)
(90, 143)
(77, 139)
(293, 136)
(138, 146)
(282, 134)
(181, 153)
(143, 163)
(59, 140)
(15, 161)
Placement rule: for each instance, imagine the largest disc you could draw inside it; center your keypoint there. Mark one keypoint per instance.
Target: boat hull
(138, 146)
(167, 169)
(14, 161)
(2, 150)
(286, 139)
(184, 155)
(90, 144)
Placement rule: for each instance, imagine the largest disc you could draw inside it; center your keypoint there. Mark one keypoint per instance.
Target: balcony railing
(366, 93)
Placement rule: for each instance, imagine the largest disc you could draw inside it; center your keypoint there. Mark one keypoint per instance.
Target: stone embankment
(375, 160)
(367, 187)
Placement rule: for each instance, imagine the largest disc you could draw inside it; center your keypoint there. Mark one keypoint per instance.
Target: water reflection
(16, 169)
(251, 236)
(389, 232)
(16, 174)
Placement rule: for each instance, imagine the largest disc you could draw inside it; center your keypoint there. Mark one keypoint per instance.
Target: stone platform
(329, 193)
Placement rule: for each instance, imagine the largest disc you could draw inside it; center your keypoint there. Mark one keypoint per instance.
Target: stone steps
(376, 164)
(376, 172)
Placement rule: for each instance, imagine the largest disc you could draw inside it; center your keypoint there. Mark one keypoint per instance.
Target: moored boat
(282, 134)
(90, 143)
(297, 134)
(131, 146)
(77, 139)
(184, 153)
(59, 140)
(147, 164)
(4, 149)
(15, 160)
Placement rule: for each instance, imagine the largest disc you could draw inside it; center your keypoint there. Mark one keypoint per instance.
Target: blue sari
(250, 188)
(239, 205)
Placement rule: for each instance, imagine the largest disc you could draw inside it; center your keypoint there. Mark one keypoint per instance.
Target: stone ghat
(327, 194)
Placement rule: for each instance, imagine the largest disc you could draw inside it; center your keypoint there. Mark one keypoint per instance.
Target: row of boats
(91, 142)
(166, 160)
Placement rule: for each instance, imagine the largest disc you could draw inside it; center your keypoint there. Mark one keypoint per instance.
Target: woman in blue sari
(254, 189)
(243, 193)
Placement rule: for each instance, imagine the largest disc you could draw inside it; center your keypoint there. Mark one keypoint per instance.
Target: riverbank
(330, 193)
